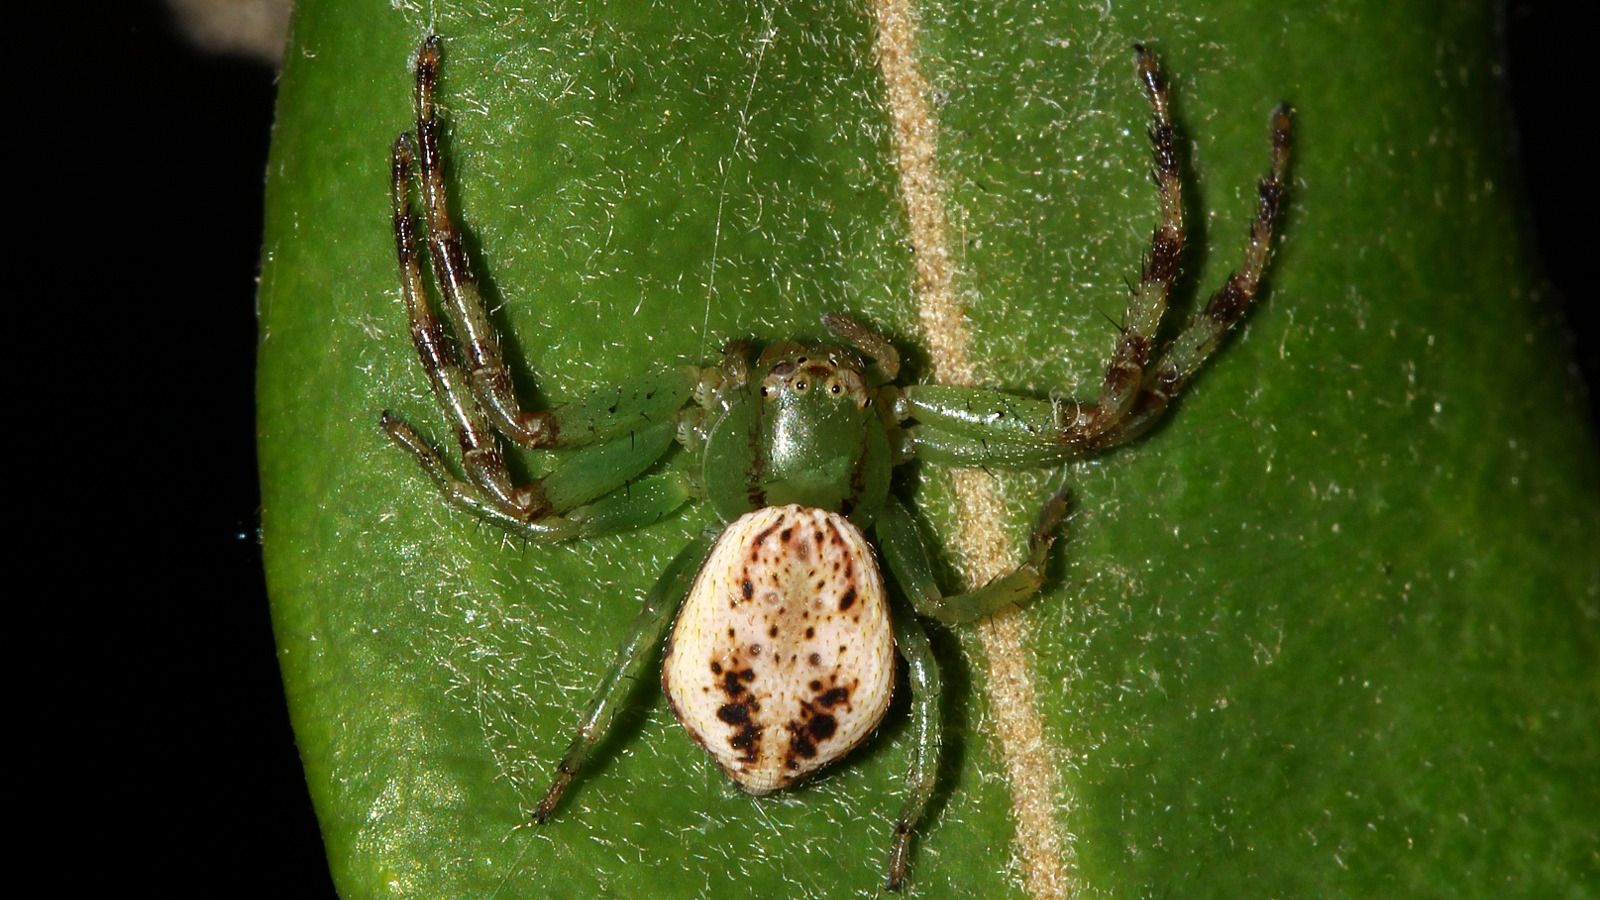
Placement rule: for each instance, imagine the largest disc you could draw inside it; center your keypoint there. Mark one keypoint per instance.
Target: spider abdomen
(782, 658)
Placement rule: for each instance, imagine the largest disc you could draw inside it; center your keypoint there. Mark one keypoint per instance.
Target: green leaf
(1331, 630)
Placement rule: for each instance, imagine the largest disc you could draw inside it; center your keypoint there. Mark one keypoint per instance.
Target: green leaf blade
(1330, 630)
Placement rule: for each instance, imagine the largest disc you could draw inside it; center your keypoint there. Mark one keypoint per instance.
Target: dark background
(227, 780)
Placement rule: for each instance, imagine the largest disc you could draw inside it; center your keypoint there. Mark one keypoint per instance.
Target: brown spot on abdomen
(822, 726)
(833, 697)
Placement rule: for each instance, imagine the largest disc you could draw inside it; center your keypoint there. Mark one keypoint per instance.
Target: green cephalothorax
(782, 652)
(803, 429)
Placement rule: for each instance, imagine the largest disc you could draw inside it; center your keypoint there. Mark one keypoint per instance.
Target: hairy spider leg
(618, 433)
(491, 382)
(635, 505)
(1124, 378)
(980, 427)
(488, 377)
(907, 560)
(480, 452)
(1125, 371)
(1181, 359)
(643, 636)
(927, 736)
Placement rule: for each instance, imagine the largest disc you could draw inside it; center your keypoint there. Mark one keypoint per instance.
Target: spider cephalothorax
(782, 657)
(803, 429)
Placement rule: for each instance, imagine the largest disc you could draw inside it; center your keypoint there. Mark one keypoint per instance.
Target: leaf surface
(1330, 630)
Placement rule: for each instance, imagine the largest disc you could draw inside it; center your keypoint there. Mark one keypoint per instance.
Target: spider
(782, 655)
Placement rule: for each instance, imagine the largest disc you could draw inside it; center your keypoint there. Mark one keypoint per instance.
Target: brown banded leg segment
(488, 377)
(480, 454)
(1199, 339)
(618, 433)
(490, 493)
(1125, 370)
(1060, 431)
(634, 504)
(598, 417)
(979, 427)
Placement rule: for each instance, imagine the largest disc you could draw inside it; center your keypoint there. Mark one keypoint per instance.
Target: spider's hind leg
(908, 560)
(927, 736)
(644, 635)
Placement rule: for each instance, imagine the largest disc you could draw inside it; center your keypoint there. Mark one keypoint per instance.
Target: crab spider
(781, 658)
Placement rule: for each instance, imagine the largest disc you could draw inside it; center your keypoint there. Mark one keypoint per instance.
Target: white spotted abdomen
(782, 658)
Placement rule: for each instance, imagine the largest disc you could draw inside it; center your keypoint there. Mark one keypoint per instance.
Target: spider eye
(765, 391)
(799, 385)
(834, 389)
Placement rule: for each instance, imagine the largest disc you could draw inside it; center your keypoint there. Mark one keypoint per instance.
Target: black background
(226, 780)
(180, 152)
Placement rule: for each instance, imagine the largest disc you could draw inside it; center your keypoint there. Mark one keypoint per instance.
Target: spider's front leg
(1199, 339)
(616, 434)
(488, 378)
(980, 427)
